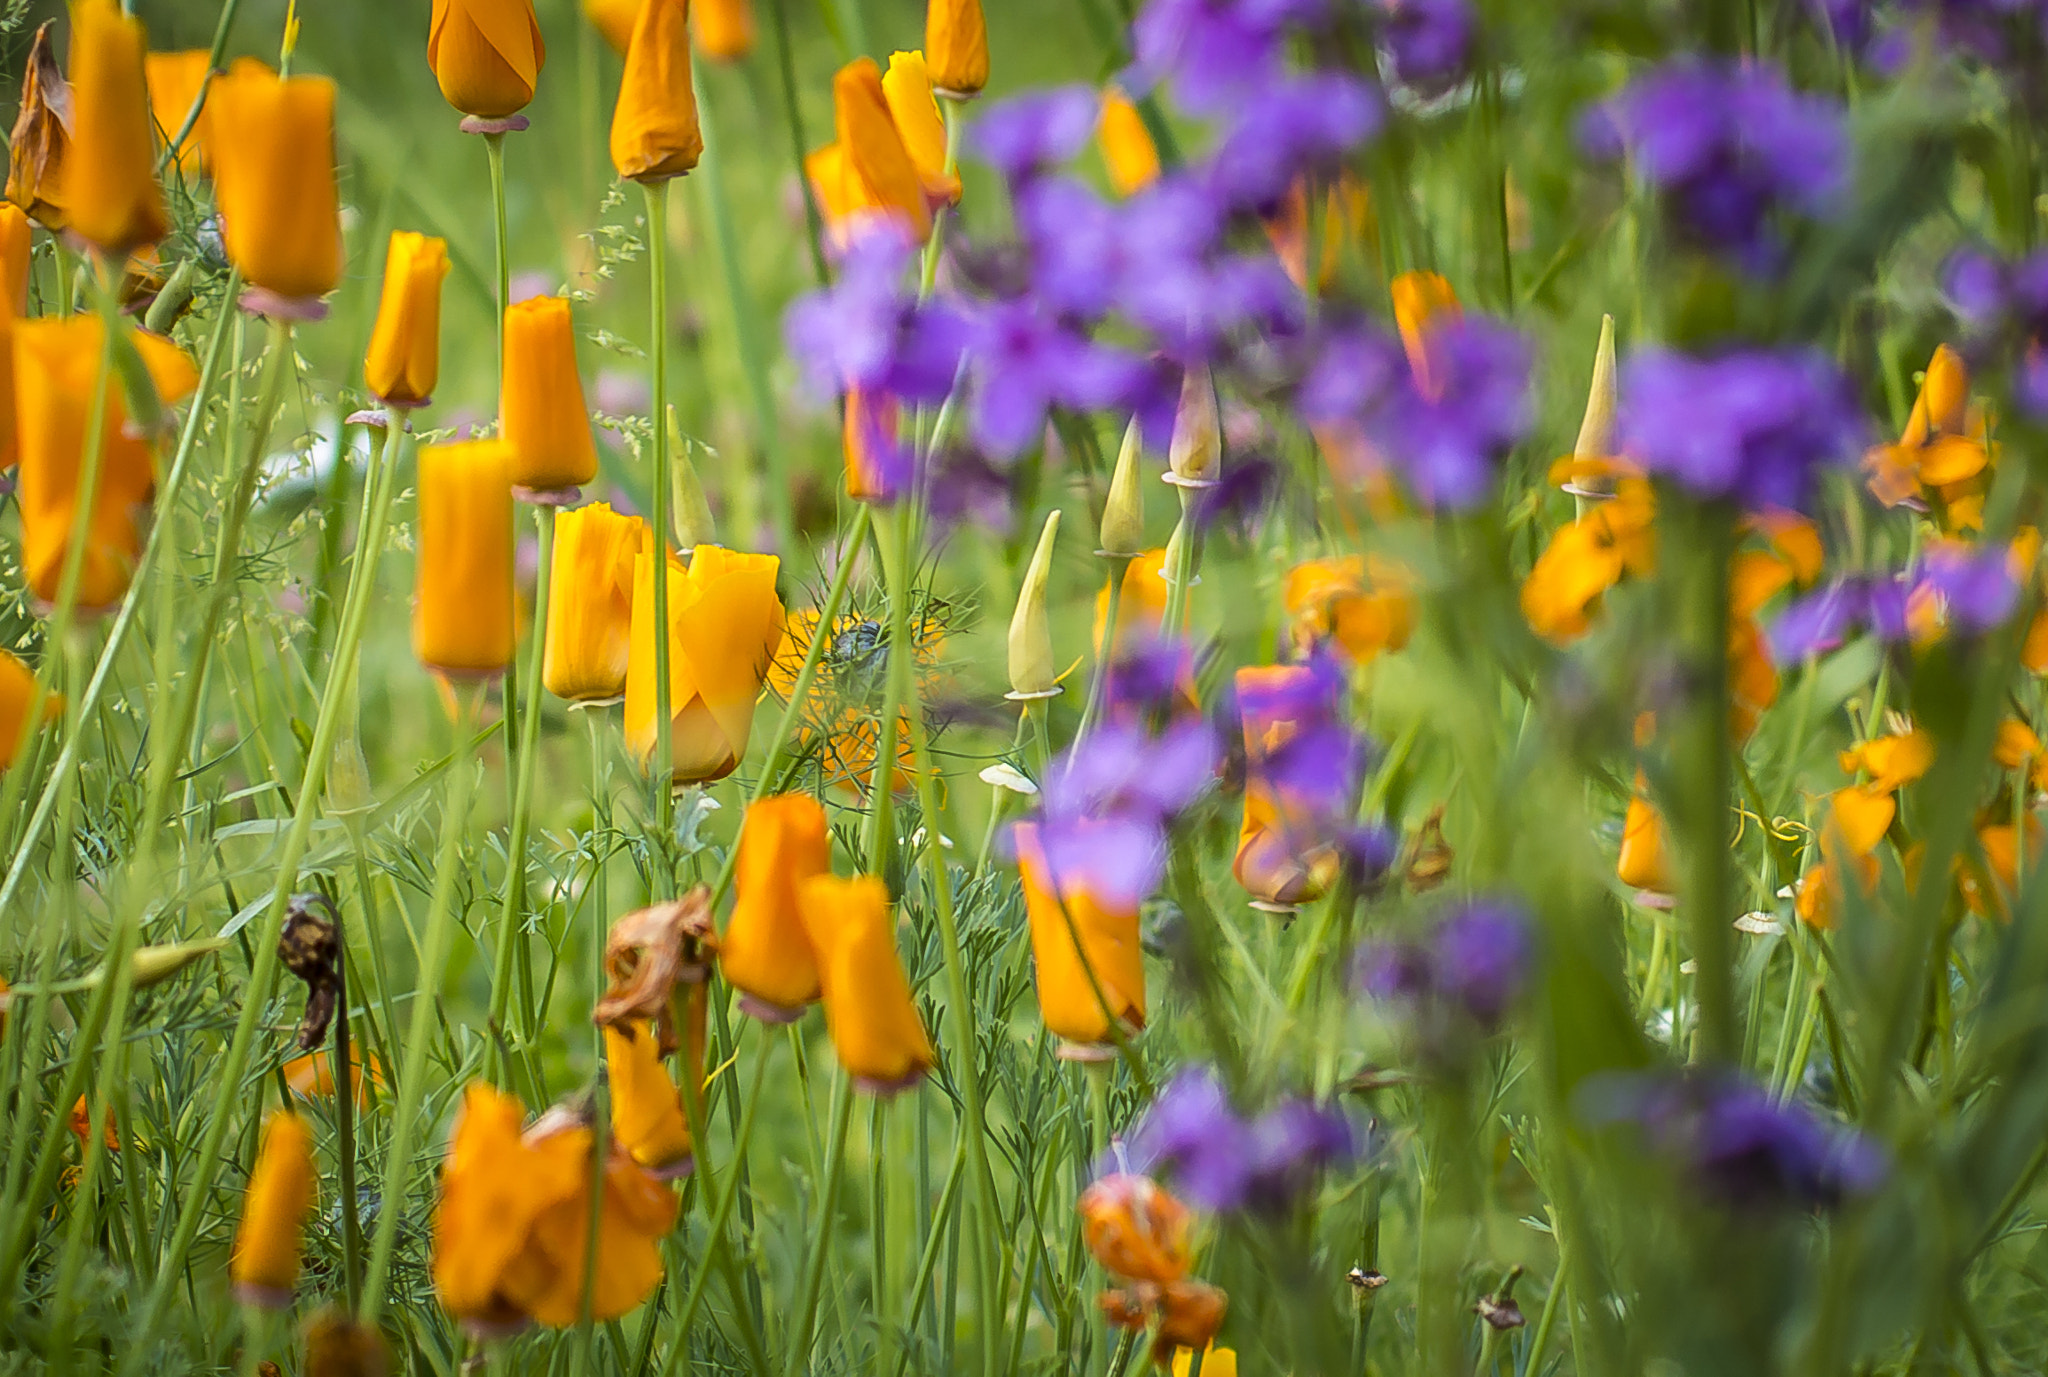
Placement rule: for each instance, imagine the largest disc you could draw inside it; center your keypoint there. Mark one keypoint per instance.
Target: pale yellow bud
(1123, 513)
(1196, 459)
(1032, 672)
(1596, 432)
(689, 510)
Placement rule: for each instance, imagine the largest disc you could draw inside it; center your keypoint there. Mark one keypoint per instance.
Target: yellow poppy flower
(486, 55)
(765, 952)
(1076, 931)
(462, 620)
(869, 1013)
(655, 134)
(956, 46)
(265, 1263)
(1127, 148)
(110, 190)
(272, 148)
(590, 604)
(404, 360)
(544, 417)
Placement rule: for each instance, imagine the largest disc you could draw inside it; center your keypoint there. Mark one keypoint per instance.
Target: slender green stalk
(662, 768)
(221, 29)
(494, 151)
(1539, 1341)
(799, 144)
(117, 633)
(893, 541)
(234, 1064)
(878, 1213)
(259, 1331)
(927, 1263)
(512, 906)
(600, 902)
(343, 1075)
(441, 921)
(821, 1228)
(1105, 651)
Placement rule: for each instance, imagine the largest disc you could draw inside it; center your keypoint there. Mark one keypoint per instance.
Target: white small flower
(1004, 775)
(917, 839)
(1759, 924)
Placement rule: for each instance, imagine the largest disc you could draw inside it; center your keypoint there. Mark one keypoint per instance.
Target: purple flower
(1976, 585)
(1734, 1141)
(1146, 677)
(1024, 134)
(1975, 591)
(1753, 425)
(1123, 768)
(1213, 53)
(1480, 958)
(1292, 1144)
(867, 329)
(1816, 623)
(1025, 361)
(1287, 128)
(1428, 42)
(1192, 1131)
(1729, 148)
(966, 487)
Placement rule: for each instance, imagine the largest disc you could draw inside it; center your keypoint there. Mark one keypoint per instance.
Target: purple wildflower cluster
(1736, 1142)
(1992, 31)
(1223, 1161)
(1731, 149)
(1973, 590)
(1446, 434)
(1473, 966)
(2005, 307)
(1428, 43)
(1752, 426)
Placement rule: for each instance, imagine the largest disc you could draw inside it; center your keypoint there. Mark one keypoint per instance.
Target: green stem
(600, 826)
(343, 1076)
(799, 144)
(510, 912)
(1105, 653)
(494, 151)
(441, 920)
(221, 30)
(893, 540)
(662, 769)
(821, 1229)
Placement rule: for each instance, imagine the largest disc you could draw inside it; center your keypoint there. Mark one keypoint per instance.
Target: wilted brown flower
(1429, 855)
(42, 131)
(309, 944)
(1187, 1314)
(650, 952)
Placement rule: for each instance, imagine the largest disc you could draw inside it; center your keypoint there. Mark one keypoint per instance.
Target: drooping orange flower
(486, 55)
(17, 695)
(1284, 859)
(1589, 556)
(1989, 887)
(175, 81)
(1078, 931)
(649, 954)
(725, 28)
(42, 135)
(80, 1124)
(1182, 1315)
(1364, 606)
(463, 592)
(1136, 1229)
(1942, 456)
(869, 440)
(404, 360)
(15, 248)
(544, 417)
(514, 1217)
(647, 1108)
(110, 191)
(956, 46)
(282, 1187)
(311, 1074)
(56, 363)
(868, 169)
(655, 133)
(1645, 862)
(869, 1012)
(725, 622)
(907, 86)
(765, 953)
(272, 149)
(1128, 151)
(590, 604)
(1752, 678)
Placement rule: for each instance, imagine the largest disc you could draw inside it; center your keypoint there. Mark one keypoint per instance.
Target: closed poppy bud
(873, 1021)
(907, 86)
(876, 155)
(1944, 394)
(655, 134)
(1278, 862)
(462, 616)
(56, 363)
(1195, 458)
(647, 1109)
(1123, 510)
(877, 464)
(273, 175)
(637, 1211)
(614, 19)
(590, 607)
(765, 953)
(486, 54)
(1079, 931)
(1603, 401)
(41, 136)
(544, 417)
(110, 189)
(1032, 671)
(724, 624)
(265, 1263)
(956, 46)
(404, 360)
(1645, 862)
(725, 28)
(17, 695)
(1127, 148)
(14, 255)
(175, 81)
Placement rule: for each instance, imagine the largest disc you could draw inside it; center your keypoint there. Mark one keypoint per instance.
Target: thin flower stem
(878, 1228)
(441, 920)
(117, 633)
(785, 62)
(662, 768)
(600, 918)
(1539, 1342)
(1105, 650)
(259, 1330)
(342, 1073)
(893, 541)
(921, 1285)
(820, 1241)
(511, 907)
(263, 973)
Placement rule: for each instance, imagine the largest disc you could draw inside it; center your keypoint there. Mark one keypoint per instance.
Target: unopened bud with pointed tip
(689, 509)
(1196, 458)
(1596, 432)
(1032, 672)
(1123, 513)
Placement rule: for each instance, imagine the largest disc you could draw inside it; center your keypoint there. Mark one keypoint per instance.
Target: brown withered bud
(1429, 855)
(651, 951)
(1189, 1314)
(1365, 1282)
(1499, 1309)
(309, 944)
(336, 1346)
(42, 132)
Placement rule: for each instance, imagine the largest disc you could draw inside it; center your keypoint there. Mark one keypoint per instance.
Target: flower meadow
(1065, 686)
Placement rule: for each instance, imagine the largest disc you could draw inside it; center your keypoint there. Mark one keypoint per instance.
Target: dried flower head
(650, 952)
(309, 944)
(42, 131)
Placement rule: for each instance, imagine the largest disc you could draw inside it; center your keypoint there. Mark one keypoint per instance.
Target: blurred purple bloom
(1316, 770)
(1736, 1142)
(1368, 850)
(966, 487)
(1976, 586)
(1123, 768)
(1146, 675)
(868, 330)
(1247, 488)
(1292, 1144)
(1289, 127)
(1729, 147)
(1976, 286)
(1476, 962)
(1221, 1163)
(1119, 859)
(1753, 426)
(1815, 623)
(1211, 53)
(1428, 42)
(1024, 134)
(1025, 361)
(1356, 368)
